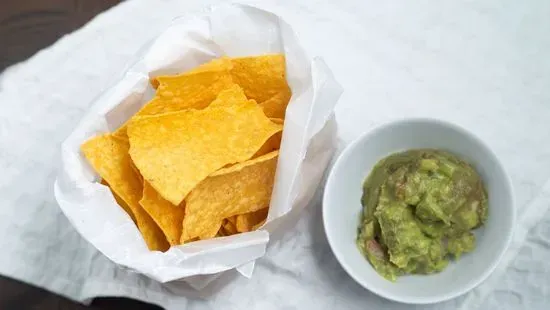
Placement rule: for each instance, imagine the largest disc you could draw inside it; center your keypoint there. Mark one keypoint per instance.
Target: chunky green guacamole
(419, 210)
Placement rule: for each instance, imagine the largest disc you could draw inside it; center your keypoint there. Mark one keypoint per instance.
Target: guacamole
(419, 210)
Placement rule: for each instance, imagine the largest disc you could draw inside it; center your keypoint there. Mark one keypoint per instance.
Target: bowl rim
(348, 149)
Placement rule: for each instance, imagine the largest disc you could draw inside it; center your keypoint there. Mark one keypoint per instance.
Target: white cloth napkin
(483, 65)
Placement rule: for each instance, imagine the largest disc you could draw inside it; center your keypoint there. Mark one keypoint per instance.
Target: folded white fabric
(481, 65)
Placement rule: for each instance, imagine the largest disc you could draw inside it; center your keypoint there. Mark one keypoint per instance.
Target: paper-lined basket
(307, 145)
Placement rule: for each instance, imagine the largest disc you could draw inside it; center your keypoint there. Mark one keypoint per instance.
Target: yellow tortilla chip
(120, 201)
(275, 106)
(187, 91)
(218, 64)
(136, 171)
(232, 219)
(260, 224)
(175, 151)
(120, 133)
(221, 232)
(247, 221)
(229, 228)
(272, 144)
(279, 121)
(167, 216)
(212, 232)
(242, 188)
(231, 96)
(261, 77)
(109, 157)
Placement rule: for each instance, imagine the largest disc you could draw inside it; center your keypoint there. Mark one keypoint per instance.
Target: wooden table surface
(26, 26)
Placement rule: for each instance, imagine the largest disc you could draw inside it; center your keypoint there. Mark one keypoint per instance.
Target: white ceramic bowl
(342, 207)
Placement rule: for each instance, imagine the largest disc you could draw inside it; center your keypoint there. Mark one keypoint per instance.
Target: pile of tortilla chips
(198, 161)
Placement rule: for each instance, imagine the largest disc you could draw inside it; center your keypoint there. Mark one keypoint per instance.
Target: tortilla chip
(221, 232)
(247, 221)
(120, 201)
(279, 121)
(232, 219)
(167, 216)
(260, 224)
(109, 157)
(272, 144)
(123, 204)
(187, 91)
(231, 96)
(175, 151)
(218, 64)
(229, 228)
(136, 171)
(261, 77)
(275, 106)
(242, 188)
(120, 133)
(212, 232)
